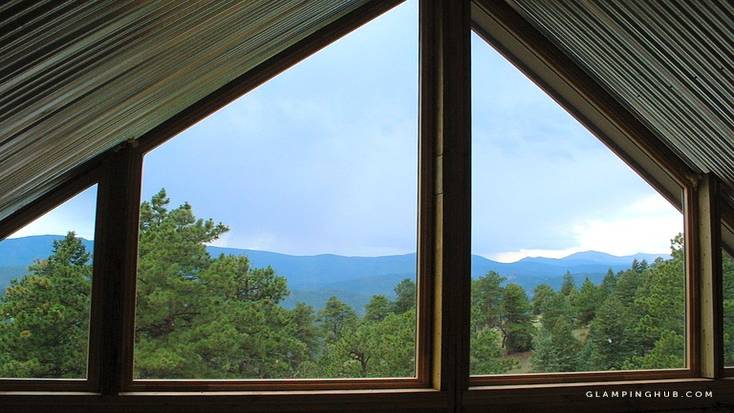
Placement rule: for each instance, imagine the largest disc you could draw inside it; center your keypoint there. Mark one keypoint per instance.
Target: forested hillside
(205, 316)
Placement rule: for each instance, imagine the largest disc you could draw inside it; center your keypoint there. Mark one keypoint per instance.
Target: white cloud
(646, 225)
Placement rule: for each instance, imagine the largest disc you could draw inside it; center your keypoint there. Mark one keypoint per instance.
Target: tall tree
(541, 294)
(486, 298)
(556, 349)
(568, 286)
(383, 348)
(486, 354)
(336, 319)
(44, 316)
(516, 325)
(378, 308)
(405, 296)
(585, 302)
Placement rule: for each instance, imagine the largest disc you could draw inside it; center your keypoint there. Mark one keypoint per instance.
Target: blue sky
(323, 159)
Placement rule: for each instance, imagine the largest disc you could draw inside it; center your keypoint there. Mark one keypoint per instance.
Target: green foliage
(487, 293)
(568, 286)
(207, 317)
(556, 307)
(44, 316)
(728, 272)
(486, 354)
(515, 319)
(336, 319)
(556, 349)
(608, 285)
(384, 348)
(585, 301)
(199, 317)
(541, 294)
(378, 308)
(405, 296)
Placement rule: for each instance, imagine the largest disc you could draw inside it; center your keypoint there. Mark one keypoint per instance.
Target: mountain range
(314, 278)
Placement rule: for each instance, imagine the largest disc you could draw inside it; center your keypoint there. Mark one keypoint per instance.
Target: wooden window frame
(197, 112)
(81, 180)
(444, 222)
(726, 240)
(676, 185)
(524, 46)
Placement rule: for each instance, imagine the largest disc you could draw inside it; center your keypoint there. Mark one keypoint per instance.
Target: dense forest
(199, 316)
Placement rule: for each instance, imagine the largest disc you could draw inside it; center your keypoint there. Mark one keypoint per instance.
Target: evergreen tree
(728, 293)
(378, 308)
(585, 301)
(405, 296)
(611, 337)
(336, 319)
(487, 294)
(383, 348)
(486, 354)
(556, 349)
(568, 286)
(44, 316)
(607, 285)
(516, 325)
(541, 294)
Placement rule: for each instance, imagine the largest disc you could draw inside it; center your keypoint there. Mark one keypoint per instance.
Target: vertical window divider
(446, 135)
(116, 250)
(707, 259)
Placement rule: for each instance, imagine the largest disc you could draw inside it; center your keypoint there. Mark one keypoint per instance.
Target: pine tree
(336, 319)
(486, 298)
(541, 294)
(486, 354)
(556, 349)
(405, 296)
(378, 308)
(568, 286)
(585, 301)
(44, 316)
(515, 319)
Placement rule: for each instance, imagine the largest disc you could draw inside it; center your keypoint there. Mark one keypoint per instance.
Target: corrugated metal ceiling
(78, 78)
(669, 62)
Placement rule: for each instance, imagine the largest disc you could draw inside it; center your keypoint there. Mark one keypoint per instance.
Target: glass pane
(278, 236)
(578, 263)
(728, 275)
(45, 293)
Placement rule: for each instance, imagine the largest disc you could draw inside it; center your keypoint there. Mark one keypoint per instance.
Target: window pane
(45, 293)
(728, 275)
(578, 263)
(278, 236)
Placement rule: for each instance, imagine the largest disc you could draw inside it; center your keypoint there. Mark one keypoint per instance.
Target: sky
(323, 159)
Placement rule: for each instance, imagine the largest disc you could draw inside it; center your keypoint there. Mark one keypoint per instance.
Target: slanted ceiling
(78, 78)
(669, 62)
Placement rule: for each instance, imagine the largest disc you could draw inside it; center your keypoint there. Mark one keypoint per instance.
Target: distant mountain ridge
(314, 278)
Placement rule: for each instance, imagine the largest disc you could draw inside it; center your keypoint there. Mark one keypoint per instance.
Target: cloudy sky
(323, 159)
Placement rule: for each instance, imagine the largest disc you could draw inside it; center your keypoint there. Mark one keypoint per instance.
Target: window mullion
(708, 356)
(118, 210)
(446, 123)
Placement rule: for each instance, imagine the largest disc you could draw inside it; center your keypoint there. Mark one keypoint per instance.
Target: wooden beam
(446, 122)
(115, 254)
(710, 283)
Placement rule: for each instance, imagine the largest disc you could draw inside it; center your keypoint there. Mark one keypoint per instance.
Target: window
(45, 293)
(578, 264)
(274, 248)
(277, 237)
(727, 263)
